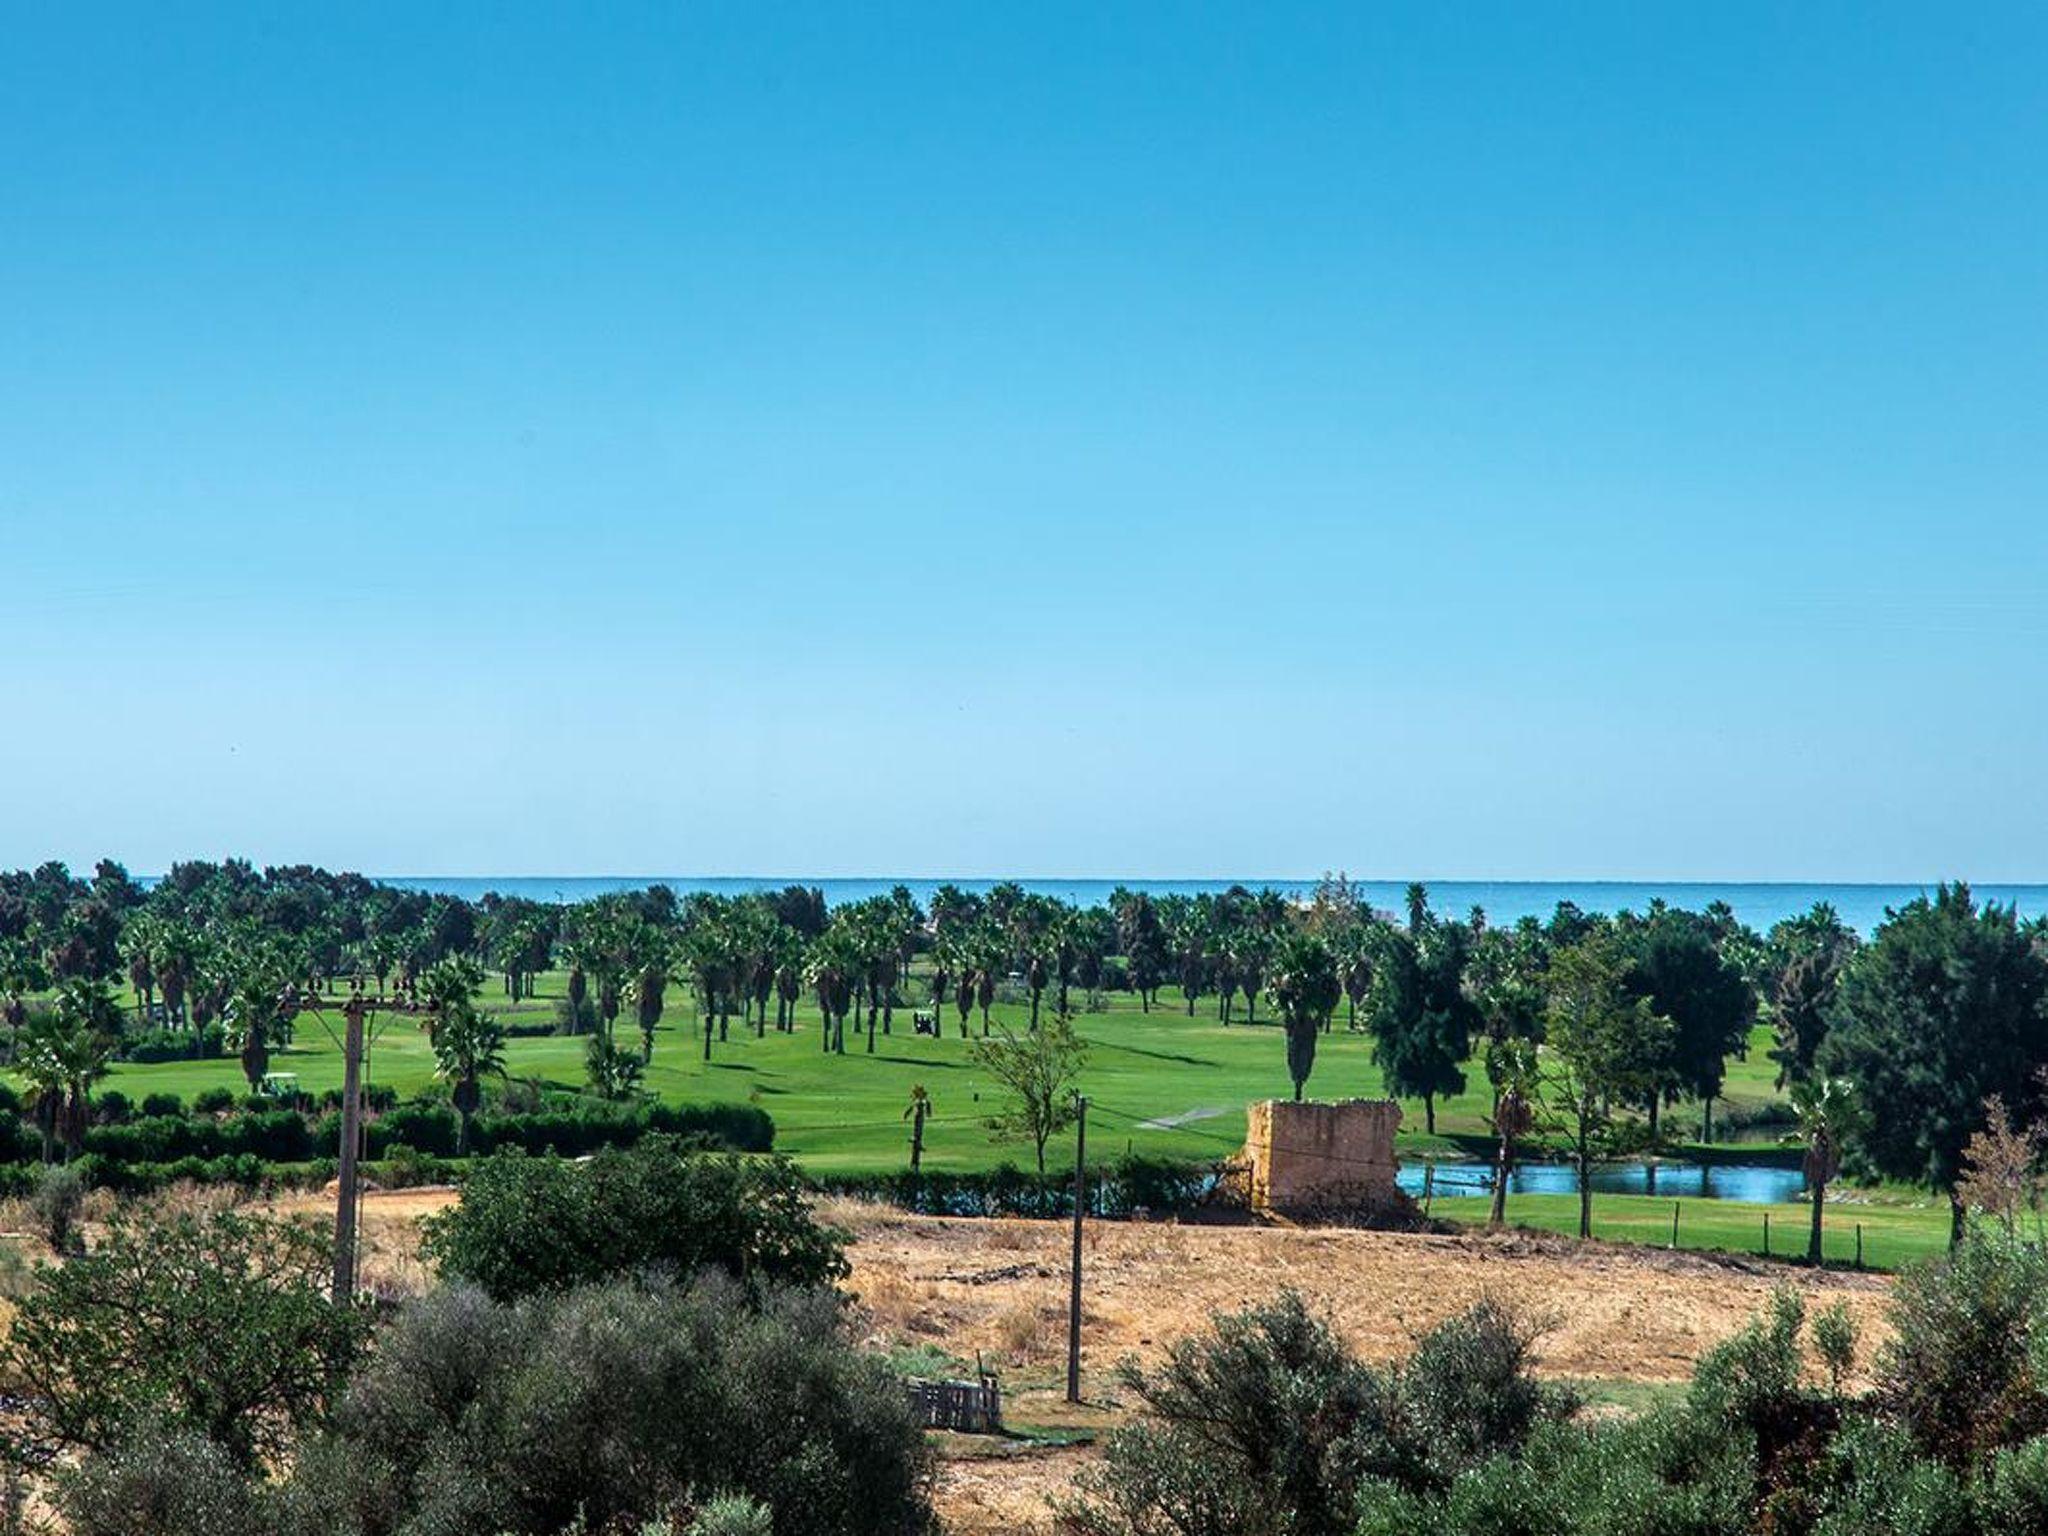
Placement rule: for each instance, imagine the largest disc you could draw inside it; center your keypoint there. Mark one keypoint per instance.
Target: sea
(1758, 903)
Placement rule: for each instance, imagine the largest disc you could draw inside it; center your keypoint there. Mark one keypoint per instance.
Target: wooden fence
(972, 1407)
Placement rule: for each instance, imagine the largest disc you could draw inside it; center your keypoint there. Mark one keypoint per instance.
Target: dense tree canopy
(1945, 1007)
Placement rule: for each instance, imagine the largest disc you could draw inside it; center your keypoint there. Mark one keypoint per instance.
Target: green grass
(844, 1114)
(1894, 1230)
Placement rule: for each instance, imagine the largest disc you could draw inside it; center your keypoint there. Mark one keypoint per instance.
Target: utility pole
(1074, 1291)
(351, 1138)
(347, 1197)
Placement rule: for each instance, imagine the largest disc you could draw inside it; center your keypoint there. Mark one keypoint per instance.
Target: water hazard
(1763, 1183)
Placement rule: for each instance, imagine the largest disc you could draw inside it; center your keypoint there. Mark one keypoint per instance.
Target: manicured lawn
(845, 1113)
(1894, 1230)
(1162, 1084)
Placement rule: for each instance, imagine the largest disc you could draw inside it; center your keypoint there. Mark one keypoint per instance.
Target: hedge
(286, 1136)
(1130, 1186)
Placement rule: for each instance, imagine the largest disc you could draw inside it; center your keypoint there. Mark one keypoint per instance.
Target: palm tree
(963, 996)
(789, 986)
(37, 1058)
(650, 988)
(984, 995)
(920, 1106)
(468, 1046)
(1248, 958)
(613, 1073)
(1828, 1111)
(138, 943)
(1513, 1068)
(62, 1056)
(1305, 990)
(832, 966)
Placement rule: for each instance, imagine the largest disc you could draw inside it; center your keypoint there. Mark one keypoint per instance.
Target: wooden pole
(351, 1139)
(1074, 1289)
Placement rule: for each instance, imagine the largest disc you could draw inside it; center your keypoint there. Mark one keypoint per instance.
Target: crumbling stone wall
(1308, 1157)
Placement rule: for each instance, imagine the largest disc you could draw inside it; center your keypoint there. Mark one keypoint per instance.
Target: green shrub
(217, 1324)
(1879, 1485)
(58, 1203)
(161, 1482)
(615, 1405)
(1269, 1424)
(2015, 1494)
(733, 1515)
(213, 1101)
(1661, 1475)
(528, 1224)
(1960, 1369)
(163, 1105)
(157, 1045)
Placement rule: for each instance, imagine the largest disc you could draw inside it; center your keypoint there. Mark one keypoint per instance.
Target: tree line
(1589, 1027)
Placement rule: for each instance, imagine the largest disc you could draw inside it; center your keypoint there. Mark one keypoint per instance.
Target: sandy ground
(998, 1290)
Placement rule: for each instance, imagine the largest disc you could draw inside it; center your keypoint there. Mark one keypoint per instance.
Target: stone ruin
(1303, 1159)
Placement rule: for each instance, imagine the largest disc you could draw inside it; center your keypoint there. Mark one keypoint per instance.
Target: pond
(1764, 1183)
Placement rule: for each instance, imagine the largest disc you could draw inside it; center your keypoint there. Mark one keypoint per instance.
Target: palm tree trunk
(1820, 1190)
(1584, 1159)
(1429, 1113)
(1503, 1165)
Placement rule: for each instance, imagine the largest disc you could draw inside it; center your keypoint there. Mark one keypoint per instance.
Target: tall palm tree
(62, 1056)
(1828, 1111)
(1515, 1072)
(1305, 990)
(468, 1046)
(650, 992)
(984, 994)
(789, 986)
(139, 941)
(37, 1058)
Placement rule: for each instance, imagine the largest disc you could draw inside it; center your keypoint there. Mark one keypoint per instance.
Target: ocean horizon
(1759, 903)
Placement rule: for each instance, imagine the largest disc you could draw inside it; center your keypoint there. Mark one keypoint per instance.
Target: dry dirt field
(998, 1289)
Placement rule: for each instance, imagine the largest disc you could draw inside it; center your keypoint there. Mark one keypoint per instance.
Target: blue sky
(1460, 441)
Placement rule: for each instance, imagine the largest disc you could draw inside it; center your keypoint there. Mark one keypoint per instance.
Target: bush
(1471, 1390)
(213, 1101)
(58, 1203)
(1129, 1186)
(113, 1107)
(618, 1404)
(733, 1515)
(216, 1324)
(1270, 1424)
(1964, 1370)
(155, 1045)
(163, 1105)
(528, 1224)
(161, 1482)
(1661, 1475)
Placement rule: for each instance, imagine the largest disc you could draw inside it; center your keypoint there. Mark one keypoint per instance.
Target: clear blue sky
(1448, 440)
